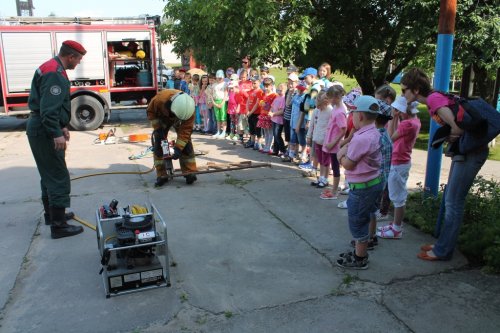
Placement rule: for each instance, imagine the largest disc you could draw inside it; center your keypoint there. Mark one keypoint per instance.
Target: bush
(479, 238)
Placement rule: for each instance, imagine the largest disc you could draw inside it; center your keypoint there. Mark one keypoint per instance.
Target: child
(324, 73)
(336, 130)
(220, 98)
(316, 133)
(348, 100)
(403, 133)
(296, 136)
(277, 109)
(386, 151)
(264, 121)
(185, 84)
(253, 110)
(194, 88)
(202, 102)
(293, 79)
(386, 96)
(210, 104)
(233, 109)
(245, 86)
(361, 159)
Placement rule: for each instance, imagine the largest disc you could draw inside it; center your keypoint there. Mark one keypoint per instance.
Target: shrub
(479, 237)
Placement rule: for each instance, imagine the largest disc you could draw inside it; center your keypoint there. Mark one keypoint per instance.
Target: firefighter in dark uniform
(173, 108)
(47, 132)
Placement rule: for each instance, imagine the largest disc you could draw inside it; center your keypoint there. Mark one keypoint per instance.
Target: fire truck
(118, 72)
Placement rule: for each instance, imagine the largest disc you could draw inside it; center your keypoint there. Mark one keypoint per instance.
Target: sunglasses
(245, 62)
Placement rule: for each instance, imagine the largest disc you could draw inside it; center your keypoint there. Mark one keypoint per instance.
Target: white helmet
(182, 106)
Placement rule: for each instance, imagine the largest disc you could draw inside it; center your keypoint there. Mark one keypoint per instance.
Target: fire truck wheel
(87, 113)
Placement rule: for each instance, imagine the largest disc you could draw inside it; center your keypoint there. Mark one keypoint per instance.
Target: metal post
(442, 70)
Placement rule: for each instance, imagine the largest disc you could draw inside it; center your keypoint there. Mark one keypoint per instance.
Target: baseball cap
(292, 68)
(366, 103)
(301, 86)
(293, 77)
(308, 71)
(401, 105)
(234, 77)
(264, 69)
(272, 78)
(219, 74)
(255, 78)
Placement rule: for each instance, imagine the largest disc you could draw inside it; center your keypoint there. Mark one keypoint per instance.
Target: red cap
(75, 46)
(182, 70)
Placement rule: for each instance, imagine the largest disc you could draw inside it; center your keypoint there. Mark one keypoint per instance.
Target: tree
(477, 43)
(220, 32)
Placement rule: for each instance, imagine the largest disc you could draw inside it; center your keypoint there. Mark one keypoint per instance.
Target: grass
(423, 137)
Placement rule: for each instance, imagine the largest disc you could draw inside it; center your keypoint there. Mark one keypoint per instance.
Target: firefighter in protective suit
(173, 108)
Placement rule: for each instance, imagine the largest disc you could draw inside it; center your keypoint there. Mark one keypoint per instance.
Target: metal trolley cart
(133, 247)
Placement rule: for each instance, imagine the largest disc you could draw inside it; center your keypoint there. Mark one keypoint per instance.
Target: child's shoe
(390, 233)
(328, 195)
(351, 261)
(249, 144)
(216, 135)
(342, 204)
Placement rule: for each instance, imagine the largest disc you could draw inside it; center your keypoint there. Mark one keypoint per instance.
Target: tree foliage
(361, 38)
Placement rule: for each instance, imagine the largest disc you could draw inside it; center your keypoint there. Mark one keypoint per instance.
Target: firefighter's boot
(46, 215)
(59, 227)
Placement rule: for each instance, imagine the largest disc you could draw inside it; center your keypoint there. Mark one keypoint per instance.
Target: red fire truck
(118, 72)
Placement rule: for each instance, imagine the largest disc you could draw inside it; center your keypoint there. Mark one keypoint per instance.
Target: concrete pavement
(252, 251)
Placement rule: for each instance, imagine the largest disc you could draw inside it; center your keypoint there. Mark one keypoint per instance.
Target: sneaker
(371, 244)
(328, 195)
(286, 158)
(315, 183)
(390, 233)
(385, 227)
(305, 166)
(249, 144)
(342, 204)
(216, 135)
(229, 137)
(222, 135)
(256, 146)
(236, 137)
(345, 191)
(322, 184)
(347, 260)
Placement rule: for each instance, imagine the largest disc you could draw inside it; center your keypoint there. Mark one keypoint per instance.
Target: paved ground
(252, 251)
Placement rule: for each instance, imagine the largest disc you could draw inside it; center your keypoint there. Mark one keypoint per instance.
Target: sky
(88, 8)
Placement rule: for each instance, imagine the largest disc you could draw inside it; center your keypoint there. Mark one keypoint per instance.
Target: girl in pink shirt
(335, 132)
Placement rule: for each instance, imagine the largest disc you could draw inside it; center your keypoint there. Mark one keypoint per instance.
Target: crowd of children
(313, 122)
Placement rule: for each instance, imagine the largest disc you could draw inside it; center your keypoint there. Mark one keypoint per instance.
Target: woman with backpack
(416, 86)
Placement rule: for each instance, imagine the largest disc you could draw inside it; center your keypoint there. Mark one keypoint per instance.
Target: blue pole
(442, 73)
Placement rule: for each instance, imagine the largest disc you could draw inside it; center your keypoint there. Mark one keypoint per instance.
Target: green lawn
(423, 137)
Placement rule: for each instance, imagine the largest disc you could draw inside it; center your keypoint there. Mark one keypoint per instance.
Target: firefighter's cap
(75, 46)
(182, 106)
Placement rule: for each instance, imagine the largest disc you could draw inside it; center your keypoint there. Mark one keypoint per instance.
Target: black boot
(190, 179)
(160, 181)
(59, 227)
(46, 214)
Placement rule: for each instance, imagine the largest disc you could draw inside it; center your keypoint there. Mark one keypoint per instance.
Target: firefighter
(48, 134)
(173, 108)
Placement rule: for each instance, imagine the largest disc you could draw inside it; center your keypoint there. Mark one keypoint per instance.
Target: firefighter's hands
(66, 133)
(177, 153)
(60, 143)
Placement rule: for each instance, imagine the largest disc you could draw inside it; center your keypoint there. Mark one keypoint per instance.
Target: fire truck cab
(118, 72)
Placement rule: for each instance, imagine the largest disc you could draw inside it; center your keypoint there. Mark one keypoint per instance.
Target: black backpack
(479, 120)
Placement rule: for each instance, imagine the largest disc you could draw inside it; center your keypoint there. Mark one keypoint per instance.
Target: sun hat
(294, 77)
(219, 74)
(234, 77)
(401, 105)
(367, 104)
(385, 109)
